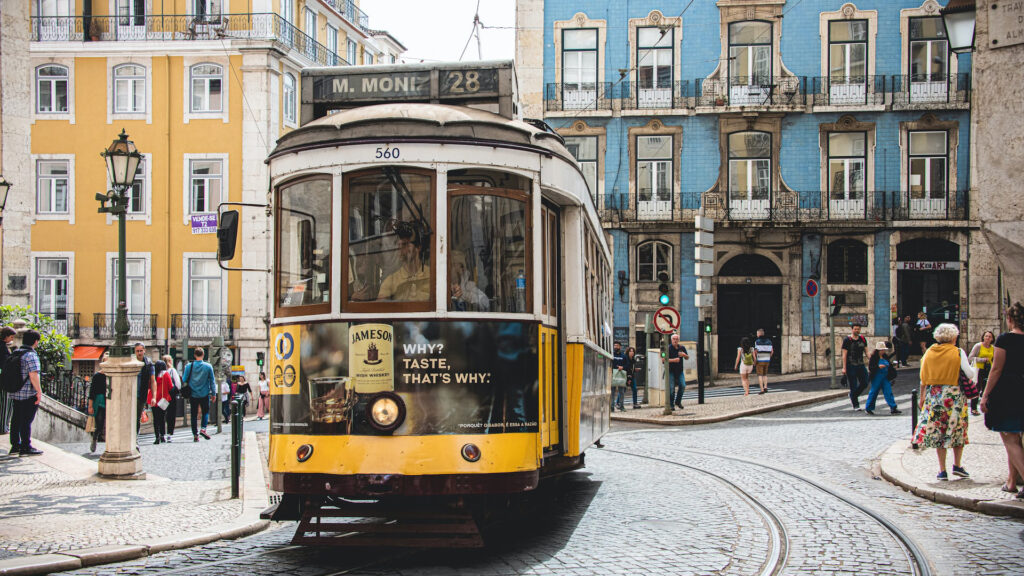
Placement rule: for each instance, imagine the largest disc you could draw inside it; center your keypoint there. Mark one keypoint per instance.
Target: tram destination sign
(404, 85)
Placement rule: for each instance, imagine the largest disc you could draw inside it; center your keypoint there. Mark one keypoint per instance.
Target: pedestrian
(619, 377)
(943, 405)
(159, 399)
(982, 355)
(172, 409)
(263, 404)
(906, 333)
(25, 401)
(1003, 399)
(7, 335)
(745, 360)
(765, 351)
(226, 392)
(923, 329)
(243, 393)
(98, 404)
(631, 374)
(676, 355)
(199, 378)
(854, 369)
(878, 371)
(144, 382)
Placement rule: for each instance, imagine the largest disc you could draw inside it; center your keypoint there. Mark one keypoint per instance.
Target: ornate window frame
(580, 20)
(929, 122)
(930, 8)
(847, 123)
(656, 128)
(656, 19)
(848, 12)
(731, 11)
(581, 128)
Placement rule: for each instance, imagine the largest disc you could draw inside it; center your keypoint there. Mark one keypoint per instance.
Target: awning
(88, 353)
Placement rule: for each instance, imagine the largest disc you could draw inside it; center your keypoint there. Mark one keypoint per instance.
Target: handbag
(891, 374)
(144, 418)
(618, 379)
(186, 390)
(163, 404)
(968, 386)
(90, 425)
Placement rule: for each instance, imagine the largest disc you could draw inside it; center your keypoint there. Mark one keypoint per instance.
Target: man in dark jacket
(145, 380)
(6, 340)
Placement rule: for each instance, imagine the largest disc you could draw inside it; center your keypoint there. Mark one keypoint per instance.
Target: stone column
(121, 459)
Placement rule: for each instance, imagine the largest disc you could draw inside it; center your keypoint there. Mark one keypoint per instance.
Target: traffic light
(835, 304)
(663, 289)
(259, 359)
(707, 328)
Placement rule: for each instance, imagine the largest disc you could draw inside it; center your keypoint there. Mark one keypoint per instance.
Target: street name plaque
(1006, 23)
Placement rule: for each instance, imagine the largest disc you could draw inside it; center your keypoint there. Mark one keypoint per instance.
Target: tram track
(776, 562)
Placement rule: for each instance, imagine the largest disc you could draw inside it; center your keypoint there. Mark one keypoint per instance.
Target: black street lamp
(122, 162)
(5, 187)
(959, 17)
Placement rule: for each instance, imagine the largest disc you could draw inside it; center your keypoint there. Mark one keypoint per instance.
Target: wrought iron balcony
(351, 12)
(257, 26)
(848, 91)
(66, 324)
(140, 326)
(202, 326)
(581, 96)
(930, 91)
(784, 91)
(638, 97)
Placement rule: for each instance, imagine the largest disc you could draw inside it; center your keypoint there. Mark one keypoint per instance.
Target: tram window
(390, 239)
(488, 250)
(304, 243)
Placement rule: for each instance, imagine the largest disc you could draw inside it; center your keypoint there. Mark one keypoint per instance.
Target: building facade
(204, 88)
(828, 140)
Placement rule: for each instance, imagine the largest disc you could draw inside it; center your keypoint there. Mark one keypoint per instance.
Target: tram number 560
(387, 152)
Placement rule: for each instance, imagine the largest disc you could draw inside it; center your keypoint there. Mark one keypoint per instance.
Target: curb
(254, 500)
(893, 471)
(734, 415)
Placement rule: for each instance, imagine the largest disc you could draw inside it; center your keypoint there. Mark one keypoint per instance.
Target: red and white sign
(666, 320)
(928, 266)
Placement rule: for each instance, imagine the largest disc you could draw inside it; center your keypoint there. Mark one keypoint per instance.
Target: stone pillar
(121, 459)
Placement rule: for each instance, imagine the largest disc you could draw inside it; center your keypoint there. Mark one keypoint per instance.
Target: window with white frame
(129, 88)
(351, 52)
(131, 13)
(653, 258)
(206, 9)
(584, 149)
(579, 68)
(206, 82)
(929, 50)
(205, 180)
(288, 10)
(750, 53)
(848, 51)
(135, 285)
(309, 21)
(288, 95)
(750, 174)
(204, 286)
(929, 158)
(52, 287)
(137, 191)
(52, 186)
(332, 43)
(847, 173)
(655, 53)
(51, 89)
(654, 174)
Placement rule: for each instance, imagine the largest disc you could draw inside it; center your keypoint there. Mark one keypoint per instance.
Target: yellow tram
(442, 300)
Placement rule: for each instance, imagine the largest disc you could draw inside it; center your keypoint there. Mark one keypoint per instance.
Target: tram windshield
(304, 244)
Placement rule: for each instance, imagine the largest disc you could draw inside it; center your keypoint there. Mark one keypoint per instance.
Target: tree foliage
(54, 348)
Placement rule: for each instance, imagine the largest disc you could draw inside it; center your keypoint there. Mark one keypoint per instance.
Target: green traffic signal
(707, 328)
(664, 299)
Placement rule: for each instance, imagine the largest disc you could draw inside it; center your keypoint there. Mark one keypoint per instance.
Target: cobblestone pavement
(639, 508)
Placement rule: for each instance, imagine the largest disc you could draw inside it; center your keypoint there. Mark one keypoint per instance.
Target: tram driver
(411, 281)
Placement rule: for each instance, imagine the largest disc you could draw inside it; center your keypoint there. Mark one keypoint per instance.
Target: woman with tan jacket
(944, 408)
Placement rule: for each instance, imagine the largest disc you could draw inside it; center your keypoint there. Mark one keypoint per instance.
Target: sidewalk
(985, 459)
(57, 514)
(724, 402)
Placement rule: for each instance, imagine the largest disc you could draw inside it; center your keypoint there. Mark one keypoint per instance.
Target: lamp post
(958, 18)
(5, 187)
(122, 162)
(120, 458)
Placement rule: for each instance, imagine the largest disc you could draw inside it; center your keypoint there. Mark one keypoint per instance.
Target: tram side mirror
(306, 243)
(227, 235)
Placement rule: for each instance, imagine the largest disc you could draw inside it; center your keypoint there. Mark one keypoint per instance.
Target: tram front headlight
(386, 411)
(304, 452)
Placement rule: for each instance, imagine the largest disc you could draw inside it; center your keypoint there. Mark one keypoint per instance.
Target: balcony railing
(930, 90)
(66, 388)
(848, 91)
(637, 97)
(141, 326)
(582, 96)
(743, 91)
(351, 12)
(202, 326)
(260, 26)
(66, 324)
(787, 207)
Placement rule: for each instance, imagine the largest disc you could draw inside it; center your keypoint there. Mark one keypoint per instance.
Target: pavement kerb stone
(254, 499)
(892, 470)
(736, 414)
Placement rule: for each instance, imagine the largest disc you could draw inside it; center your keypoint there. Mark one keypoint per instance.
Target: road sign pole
(700, 361)
(668, 377)
(832, 346)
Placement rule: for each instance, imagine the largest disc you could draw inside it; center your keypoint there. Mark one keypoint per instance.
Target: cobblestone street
(779, 491)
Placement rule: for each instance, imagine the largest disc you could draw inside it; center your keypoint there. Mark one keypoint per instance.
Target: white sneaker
(167, 438)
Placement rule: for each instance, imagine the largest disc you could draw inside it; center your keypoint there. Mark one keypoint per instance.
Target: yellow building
(204, 88)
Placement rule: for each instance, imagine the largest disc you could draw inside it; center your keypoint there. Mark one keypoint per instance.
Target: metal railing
(141, 326)
(187, 27)
(636, 97)
(202, 326)
(583, 96)
(742, 91)
(351, 12)
(848, 91)
(923, 91)
(66, 388)
(67, 324)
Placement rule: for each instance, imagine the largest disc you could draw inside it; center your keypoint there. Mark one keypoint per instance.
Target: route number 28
(387, 152)
(471, 84)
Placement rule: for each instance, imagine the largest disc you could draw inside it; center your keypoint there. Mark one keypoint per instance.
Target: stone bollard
(20, 327)
(121, 459)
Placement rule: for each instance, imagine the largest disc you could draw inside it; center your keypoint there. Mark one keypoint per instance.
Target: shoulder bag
(186, 390)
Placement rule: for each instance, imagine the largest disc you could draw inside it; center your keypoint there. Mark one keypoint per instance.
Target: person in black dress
(1003, 399)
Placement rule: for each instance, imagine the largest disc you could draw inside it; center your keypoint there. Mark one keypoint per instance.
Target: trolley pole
(236, 447)
(913, 417)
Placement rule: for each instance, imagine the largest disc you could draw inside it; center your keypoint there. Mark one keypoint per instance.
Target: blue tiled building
(828, 140)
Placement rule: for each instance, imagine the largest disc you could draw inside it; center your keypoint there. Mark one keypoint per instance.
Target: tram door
(550, 337)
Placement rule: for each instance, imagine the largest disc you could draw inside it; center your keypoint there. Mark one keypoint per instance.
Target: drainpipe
(167, 257)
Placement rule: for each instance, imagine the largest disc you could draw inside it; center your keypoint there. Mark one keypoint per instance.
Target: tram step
(388, 528)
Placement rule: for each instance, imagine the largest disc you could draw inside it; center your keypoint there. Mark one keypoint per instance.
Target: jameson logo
(372, 364)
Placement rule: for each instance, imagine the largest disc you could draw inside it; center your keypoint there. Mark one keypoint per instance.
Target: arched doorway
(743, 306)
(928, 279)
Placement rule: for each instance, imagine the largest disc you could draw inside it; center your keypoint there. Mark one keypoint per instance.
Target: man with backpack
(23, 366)
(854, 367)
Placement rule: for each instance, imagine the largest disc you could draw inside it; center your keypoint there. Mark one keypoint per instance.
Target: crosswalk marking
(846, 402)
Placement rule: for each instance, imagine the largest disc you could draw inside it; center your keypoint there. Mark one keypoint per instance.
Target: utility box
(656, 373)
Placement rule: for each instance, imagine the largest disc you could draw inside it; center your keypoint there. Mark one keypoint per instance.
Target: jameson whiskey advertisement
(453, 377)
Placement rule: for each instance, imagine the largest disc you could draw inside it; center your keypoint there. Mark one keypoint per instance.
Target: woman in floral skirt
(944, 408)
